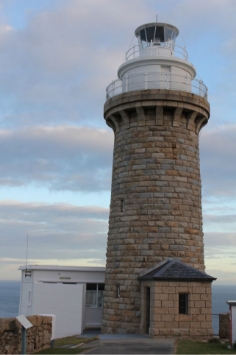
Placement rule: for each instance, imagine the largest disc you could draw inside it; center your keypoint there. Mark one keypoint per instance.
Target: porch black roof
(174, 270)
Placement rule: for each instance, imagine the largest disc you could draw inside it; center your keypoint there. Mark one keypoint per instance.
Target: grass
(67, 343)
(182, 347)
(73, 340)
(61, 351)
(197, 347)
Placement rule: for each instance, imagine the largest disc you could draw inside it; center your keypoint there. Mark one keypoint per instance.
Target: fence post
(25, 325)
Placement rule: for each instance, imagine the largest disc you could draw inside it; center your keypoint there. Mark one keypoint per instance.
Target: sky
(56, 59)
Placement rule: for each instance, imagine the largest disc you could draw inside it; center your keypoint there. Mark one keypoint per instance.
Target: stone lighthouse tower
(155, 280)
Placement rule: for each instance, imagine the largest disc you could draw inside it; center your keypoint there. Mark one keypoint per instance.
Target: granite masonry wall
(165, 320)
(38, 336)
(155, 209)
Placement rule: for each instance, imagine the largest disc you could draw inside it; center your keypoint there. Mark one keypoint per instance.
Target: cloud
(218, 156)
(9, 266)
(223, 225)
(80, 158)
(58, 66)
(224, 277)
(59, 231)
(223, 219)
(214, 241)
(61, 158)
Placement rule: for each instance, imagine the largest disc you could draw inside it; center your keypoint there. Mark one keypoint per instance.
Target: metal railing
(145, 81)
(215, 323)
(155, 49)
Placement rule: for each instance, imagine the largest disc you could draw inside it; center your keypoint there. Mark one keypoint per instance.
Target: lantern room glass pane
(150, 33)
(170, 35)
(143, 35)
(159, 34)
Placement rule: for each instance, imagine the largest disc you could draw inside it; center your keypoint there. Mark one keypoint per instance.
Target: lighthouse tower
(155, 280)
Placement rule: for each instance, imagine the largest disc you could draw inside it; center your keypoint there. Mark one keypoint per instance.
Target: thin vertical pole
(23, 345)
(27, 242)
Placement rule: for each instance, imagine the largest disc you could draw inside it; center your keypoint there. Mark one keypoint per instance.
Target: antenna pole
(156, 18)
(27, 251)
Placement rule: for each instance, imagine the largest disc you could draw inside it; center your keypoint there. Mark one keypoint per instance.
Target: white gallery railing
(165, 49)
(146, 81)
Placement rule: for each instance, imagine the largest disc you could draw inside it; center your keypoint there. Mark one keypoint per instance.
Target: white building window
(94, 295)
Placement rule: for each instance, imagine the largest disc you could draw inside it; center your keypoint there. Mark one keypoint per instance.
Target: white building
(73, 294)
(232, 318)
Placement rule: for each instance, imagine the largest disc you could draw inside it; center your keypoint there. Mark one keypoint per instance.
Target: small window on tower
(183, 303)
(122, 208)
(118, 291)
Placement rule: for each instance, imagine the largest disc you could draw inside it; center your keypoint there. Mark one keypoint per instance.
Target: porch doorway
(147, 309)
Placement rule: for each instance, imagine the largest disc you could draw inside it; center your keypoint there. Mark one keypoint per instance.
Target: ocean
(10, 297)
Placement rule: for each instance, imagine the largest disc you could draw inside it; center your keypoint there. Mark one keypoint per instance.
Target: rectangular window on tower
(183, 303)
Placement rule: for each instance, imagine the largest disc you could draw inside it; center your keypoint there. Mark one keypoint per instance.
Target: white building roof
(63, 268)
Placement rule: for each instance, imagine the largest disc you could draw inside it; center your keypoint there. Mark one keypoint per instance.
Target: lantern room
(159, 34)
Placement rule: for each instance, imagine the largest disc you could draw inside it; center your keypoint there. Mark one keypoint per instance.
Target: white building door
(63, 300)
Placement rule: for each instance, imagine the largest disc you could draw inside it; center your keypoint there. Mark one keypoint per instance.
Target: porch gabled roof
(175, 270)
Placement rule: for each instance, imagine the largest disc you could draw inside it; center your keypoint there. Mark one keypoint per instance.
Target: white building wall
(93, 317)
(26, 295)
(79, 276)
(233, 315)
(63, 300)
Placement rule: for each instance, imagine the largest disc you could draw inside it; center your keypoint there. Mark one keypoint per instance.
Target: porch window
(183, 303)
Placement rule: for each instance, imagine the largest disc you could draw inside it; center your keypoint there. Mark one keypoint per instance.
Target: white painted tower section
(156, 62)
